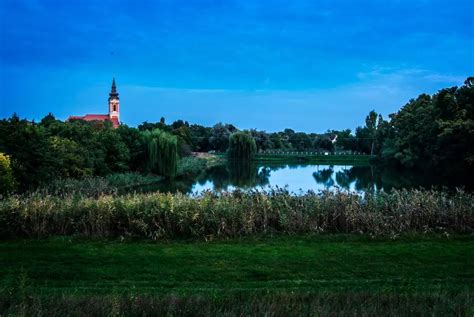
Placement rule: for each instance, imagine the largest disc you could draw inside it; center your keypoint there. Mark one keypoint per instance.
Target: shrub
(191, 166)
(7, 180)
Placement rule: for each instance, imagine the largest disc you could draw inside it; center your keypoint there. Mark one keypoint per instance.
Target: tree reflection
(241, 174)
(245, 174)
(345, 178)
(324, 177)
(374, 178)
(361, 176)
(248, 175)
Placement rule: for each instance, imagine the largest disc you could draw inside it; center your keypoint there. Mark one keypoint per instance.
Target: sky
(301, 64)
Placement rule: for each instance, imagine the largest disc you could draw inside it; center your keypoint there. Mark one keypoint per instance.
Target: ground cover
(277, 274)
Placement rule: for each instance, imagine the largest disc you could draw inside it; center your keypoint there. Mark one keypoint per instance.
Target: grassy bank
(279, 275)
(192, 166)
(163, 216)
(314, 159)
(295, 157)
(120, 183)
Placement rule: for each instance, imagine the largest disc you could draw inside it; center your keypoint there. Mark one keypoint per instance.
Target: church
(114, 110)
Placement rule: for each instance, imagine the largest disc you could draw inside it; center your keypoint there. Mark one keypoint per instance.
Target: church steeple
(113, 92)
(114, 105)
(114, 110)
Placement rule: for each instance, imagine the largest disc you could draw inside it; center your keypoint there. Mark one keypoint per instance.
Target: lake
(298, 178)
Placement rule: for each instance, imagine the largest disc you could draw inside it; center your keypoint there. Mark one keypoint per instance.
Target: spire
(113, 92)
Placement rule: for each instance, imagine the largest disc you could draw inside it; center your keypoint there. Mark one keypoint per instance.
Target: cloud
(408, 76)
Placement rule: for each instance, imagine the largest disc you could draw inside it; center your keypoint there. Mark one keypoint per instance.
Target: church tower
(114, 110)
(114, 104)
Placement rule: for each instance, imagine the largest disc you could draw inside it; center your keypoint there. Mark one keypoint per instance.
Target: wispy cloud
(408, 76)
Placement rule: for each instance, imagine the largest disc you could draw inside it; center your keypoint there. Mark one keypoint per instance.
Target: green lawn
(330, 159)
(428, 270)
(314, 159)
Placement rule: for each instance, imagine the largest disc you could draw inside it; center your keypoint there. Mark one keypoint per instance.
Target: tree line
(40, 152)
(435, 131)
(432, 131)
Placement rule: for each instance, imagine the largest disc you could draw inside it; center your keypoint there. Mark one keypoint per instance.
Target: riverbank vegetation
(96, 186)
(166, 216)
(310, 158)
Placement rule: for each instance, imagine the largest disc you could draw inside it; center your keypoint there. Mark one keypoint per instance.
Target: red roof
(97, 117)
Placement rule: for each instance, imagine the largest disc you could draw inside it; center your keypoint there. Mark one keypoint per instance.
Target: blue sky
(307, 65)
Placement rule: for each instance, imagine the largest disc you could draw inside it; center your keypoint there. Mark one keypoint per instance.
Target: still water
(297, 178)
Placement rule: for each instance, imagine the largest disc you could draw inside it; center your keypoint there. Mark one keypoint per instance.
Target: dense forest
(428, 132)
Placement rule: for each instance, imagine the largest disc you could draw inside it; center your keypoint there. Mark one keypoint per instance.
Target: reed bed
(230, 214)
(95, 186)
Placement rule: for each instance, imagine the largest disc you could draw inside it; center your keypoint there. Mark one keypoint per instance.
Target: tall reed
(160, 215)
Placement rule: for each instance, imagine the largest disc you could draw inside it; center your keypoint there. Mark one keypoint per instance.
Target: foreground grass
(279, 275)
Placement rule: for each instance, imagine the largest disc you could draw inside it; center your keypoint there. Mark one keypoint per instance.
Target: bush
(191, 166)
(7, 180)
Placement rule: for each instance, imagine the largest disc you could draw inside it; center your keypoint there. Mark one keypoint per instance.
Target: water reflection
(233, 175)
(325, 177)
(360, 178)
(297, 178)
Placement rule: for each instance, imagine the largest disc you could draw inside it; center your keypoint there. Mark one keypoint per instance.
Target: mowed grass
(335, 262)
(240, 276)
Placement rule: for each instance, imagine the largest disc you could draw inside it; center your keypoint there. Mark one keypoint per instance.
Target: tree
(68, 158)
(115, 151)
(300, 141)
(345, 140)
(151, 126)
(434, 131)
(7, 180)
(276, 139)
(184, 139)
(219, 139)
(48, 120)
(162, 150)
(200, 137)
(262, 139)
(241, 146)
(323, 142)
(371, 123)
(366, 135)
(27, 143)
(132, 139)
(469, 82)
(414, 130)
